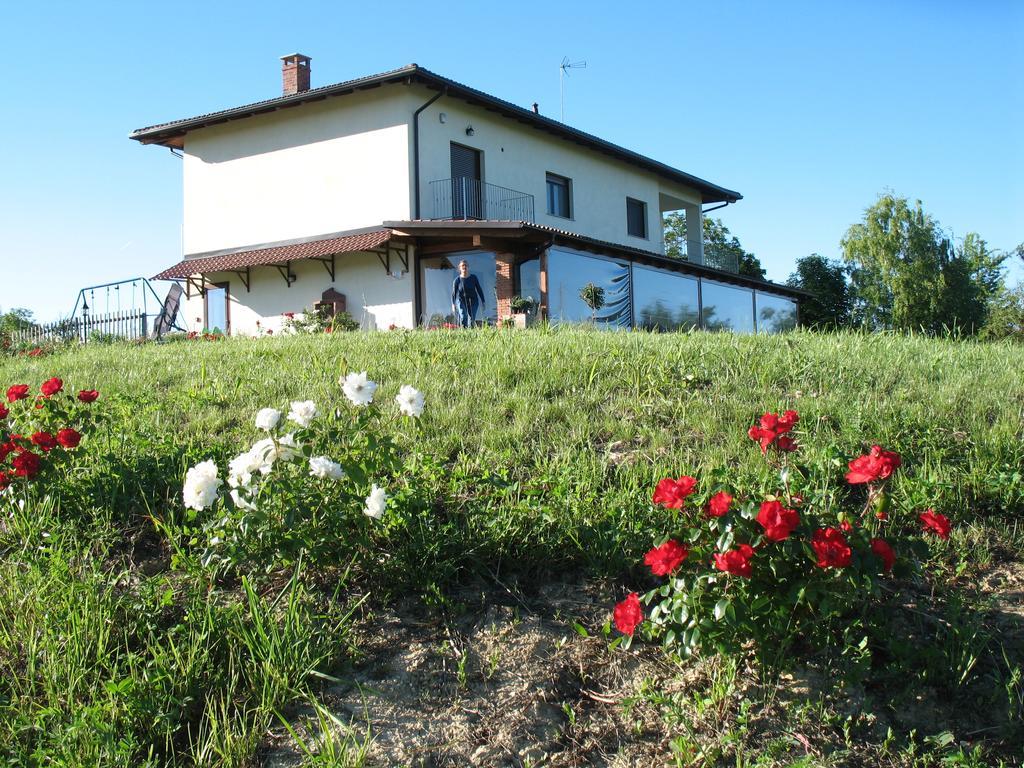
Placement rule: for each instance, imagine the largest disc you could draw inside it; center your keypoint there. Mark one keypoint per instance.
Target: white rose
(358, 388)
(410, 401)
(325, 469)
(242, 468)
(302, 412)
(201, 485)
(267, 419)
(265, 452)
(375, 503)
(241, 502)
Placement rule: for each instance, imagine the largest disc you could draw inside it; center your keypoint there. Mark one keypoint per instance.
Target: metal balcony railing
(466, 198)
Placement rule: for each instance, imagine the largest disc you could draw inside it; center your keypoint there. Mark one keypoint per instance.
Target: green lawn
(539, 453)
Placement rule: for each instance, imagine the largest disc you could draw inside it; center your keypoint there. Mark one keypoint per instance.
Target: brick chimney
(294, 73)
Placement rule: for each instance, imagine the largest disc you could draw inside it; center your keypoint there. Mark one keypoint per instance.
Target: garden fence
(130, 324)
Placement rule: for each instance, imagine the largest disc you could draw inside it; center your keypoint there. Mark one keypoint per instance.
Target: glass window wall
(727, 307)
(775, 314)
(664, 301)
(569, 272)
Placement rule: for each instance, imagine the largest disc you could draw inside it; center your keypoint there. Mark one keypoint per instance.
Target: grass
(547, 444)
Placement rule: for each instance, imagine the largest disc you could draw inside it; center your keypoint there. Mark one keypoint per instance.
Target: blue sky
(809, 109)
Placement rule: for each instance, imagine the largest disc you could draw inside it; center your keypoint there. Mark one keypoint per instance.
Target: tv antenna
(563, 72)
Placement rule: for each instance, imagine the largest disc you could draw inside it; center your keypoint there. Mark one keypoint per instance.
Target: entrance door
(467, 183)
(218, 317)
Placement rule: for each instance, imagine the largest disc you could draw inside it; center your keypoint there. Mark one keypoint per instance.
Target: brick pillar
(504, 284)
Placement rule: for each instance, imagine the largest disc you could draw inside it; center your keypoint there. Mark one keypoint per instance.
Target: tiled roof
(311, 249)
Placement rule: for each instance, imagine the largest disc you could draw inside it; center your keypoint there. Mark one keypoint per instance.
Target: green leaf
(720, 608)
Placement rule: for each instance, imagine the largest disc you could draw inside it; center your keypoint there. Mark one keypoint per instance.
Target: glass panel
(217, 309)
(727, 307)
(636, 217)
(558, 196)
(775, 314)
(529, 280)
(568, 272)
(663, 301)
(439, 273)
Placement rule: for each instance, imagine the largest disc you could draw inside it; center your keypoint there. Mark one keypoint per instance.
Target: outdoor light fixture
(469, 130)
(443, 117)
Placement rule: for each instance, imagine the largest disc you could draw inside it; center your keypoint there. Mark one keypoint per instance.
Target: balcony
(466, 199)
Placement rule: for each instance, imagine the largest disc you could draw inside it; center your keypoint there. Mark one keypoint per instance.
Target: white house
(374, 188)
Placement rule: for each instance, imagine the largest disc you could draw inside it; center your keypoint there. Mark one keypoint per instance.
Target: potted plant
(593, 296)
(522, 307)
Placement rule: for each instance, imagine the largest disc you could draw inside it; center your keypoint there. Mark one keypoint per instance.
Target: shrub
(318, 321)
(801, 563)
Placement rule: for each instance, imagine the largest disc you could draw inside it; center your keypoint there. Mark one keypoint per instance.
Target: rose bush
(315, 484)
(793, 566)
(40, 433)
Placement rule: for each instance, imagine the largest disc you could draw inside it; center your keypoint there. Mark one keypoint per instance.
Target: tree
(906, 273)
(829, 303)
(720, 246)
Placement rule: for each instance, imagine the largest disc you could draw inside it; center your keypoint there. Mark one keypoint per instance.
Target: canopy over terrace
(280, 256)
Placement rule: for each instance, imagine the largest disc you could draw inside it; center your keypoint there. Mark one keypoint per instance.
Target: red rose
(6, 449)
(884, 552)
(830, 546)
(787, 421)
(672, 493)
(777, 521)
(628, 614)
(666, 558)
(88, 395)
(51, 387)
(845, 526)
(26, 464)
(17, 392)
(882, 515)
(935, 522)
(68, 438)
(289, 315)
(3, 411)
(785, 443)
(719, 504)
(45, 441)
(770, 429)
(736, 561)
(873, 466)
(4, 481)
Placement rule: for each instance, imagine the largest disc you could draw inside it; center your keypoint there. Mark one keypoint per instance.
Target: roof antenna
(563, 72)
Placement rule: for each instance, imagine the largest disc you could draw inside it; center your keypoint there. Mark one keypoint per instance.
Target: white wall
(372, 297)
(518, 157)
(319, 168)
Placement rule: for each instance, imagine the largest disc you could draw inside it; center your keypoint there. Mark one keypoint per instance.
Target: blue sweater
(465, 290)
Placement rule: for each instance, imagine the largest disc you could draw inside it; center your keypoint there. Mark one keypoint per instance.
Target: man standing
(465, 290)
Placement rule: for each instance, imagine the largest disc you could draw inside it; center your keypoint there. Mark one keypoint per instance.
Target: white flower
(410, 401)
(265, 452)
(241, 502)
(215, 541)
(325, 469)
(201, 484)
(302, 412)
(242, 468)
(358, 388)
(267, 419)
(375, 503)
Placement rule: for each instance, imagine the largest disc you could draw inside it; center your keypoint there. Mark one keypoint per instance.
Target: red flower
(882, 515)
(51, 387)
(35, 352)
(26, 464)
(736, 561)
(845, 526)
(192, 334)
(45, 441)
(719, 504)
(329, 329)
(628, 614)
(68, 438)
(6, 449)
(884, 552)
(772, 427)
(3, 411)
(4, 481)
(88, 395)
(290, 315)
(873, 466)
(777, 521)
(830, 546)
(935, 522)
(666, 558)
(270, 331)
(672, 493)
(17, 392)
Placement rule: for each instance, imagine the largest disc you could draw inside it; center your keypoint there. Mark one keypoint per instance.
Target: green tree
(720, 245)
(829, 303)
(906, 273)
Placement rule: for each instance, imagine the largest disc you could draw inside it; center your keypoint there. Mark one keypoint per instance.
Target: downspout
(416, 287)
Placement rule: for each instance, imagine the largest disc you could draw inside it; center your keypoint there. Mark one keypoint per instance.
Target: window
(217, 309)
(559, 189)
(636, 217)
(569, 272)
(438, 273)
